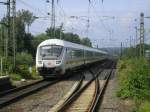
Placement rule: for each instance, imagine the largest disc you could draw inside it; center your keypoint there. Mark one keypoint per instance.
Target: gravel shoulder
(111, 103)
(23, 83)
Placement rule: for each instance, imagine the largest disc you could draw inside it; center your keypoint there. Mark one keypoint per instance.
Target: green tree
(28, 45)
(72, 38)
(86, 41)
(23, 40)
(27, 17)
(20, 34)
(53, 33)
(24, 58)
(65, 36)
(134, 51)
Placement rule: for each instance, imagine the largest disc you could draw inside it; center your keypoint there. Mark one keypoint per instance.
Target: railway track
(13, 95)
(86, 98)
(85, 91)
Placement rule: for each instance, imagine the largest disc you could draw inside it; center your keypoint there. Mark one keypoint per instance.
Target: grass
(144, 107)
(134, 80)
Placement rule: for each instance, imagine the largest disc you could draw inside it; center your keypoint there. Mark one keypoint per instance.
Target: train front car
(55, 56)
(49, 58)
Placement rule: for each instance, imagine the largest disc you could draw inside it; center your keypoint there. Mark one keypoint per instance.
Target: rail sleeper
(83, 102)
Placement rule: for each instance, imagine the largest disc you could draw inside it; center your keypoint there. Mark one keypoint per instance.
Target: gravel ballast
(43, 100)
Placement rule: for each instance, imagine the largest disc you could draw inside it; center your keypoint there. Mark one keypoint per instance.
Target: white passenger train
(55, 56)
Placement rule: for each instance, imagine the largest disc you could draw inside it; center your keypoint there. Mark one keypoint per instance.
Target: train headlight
(40, 62)
(58, 62)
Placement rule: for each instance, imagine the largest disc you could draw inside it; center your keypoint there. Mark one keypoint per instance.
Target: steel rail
(74, 91)
(97, 88)
(102, 90)
(76, 94)
(18, 93)
(96, 94)
(19, 88)
(79, 85)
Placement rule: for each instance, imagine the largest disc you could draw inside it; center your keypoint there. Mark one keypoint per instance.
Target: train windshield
(51, 51)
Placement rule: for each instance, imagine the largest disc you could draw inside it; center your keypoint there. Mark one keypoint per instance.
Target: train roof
(69, 45)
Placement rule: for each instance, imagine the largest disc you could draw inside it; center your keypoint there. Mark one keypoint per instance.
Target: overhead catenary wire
(102, 22)
(44, 18)
(37, 10)
(32, 7)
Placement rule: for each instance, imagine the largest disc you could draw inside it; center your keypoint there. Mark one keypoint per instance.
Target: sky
(111, 22)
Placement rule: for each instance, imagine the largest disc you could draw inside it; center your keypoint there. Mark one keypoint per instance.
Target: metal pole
(130, 42)
(121, 50)
(53, 18)
(1, 39)
(8, 29)
(136, 41)
(61, 26)
(14, 31)
(136, 35)
(142, 50)
(1, 65)
(88, 21)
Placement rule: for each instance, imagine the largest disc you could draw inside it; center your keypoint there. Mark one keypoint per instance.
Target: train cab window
(51, 51)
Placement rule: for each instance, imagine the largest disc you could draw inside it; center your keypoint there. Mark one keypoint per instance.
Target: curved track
(88, 96)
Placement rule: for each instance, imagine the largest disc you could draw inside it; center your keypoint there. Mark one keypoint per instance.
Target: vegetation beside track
(22, 69)
(134, 82)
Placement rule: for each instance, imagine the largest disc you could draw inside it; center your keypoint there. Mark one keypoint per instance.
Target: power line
(102, 22)
(31, 7)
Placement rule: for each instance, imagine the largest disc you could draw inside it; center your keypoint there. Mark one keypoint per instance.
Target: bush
(134, 79)
(24, 58)
(15, 77)
(34, 73)
(23, 61)
(7, 64)
(23, 71)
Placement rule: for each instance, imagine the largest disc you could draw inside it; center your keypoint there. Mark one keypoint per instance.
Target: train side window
(77, 53)
(85, 54)
(89, 54)
(69, 53)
